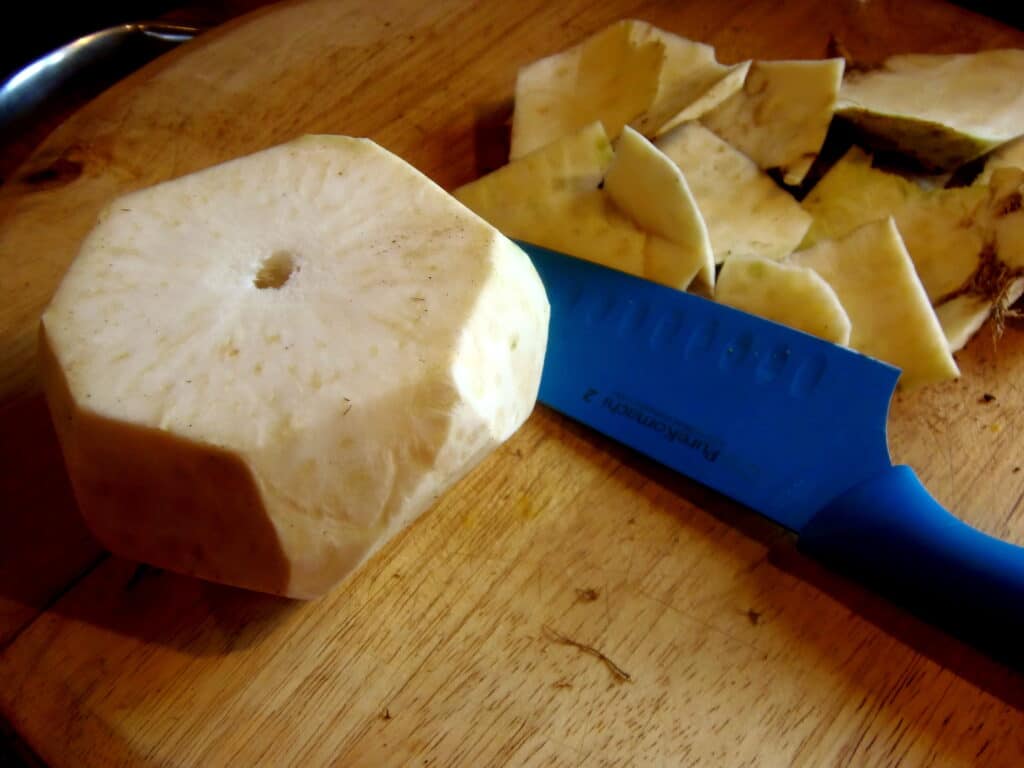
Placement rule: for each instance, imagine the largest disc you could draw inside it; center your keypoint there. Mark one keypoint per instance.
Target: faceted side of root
(261, 371)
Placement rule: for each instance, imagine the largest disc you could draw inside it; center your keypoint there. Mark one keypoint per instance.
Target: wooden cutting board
(450, 647)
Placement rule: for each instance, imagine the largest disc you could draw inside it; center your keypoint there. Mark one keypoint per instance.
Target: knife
(787, 424)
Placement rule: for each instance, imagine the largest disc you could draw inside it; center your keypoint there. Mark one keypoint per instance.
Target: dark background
(44, 26)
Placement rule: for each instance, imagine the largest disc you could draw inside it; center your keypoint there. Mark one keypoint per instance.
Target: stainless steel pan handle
(97, 60)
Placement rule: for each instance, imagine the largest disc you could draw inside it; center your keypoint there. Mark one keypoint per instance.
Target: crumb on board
(587, 595)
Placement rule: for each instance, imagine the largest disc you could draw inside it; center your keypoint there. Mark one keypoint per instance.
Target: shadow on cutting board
(50, 562)
(492, 137)
(963, 660)
(44, 545)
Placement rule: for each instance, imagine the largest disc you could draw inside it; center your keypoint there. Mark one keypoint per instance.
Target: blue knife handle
(890, 533)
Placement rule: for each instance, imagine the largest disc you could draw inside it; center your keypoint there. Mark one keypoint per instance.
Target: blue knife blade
(787, 424)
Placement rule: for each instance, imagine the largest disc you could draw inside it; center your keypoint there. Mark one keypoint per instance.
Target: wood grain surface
(451, 646)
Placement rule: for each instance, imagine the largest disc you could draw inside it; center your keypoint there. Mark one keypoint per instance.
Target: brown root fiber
(618, 672)
(991, 281)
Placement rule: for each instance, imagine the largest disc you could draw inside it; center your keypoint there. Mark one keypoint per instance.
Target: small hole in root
(275, 270)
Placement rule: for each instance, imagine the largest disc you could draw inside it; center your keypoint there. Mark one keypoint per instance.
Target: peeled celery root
(786, 293)
(941, 109)
(890, 316)
(688, 70)
(627, 73)
(261, 372)
(936, 225)
(651, 190)
(781, 115)
(963, 316)
(745, 211)
(731, 82)
(966, 241)
(1009, 155)
(690, 83)
(551, 197)
(612, 77)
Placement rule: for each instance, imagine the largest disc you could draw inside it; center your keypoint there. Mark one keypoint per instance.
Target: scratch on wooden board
(617, 672)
